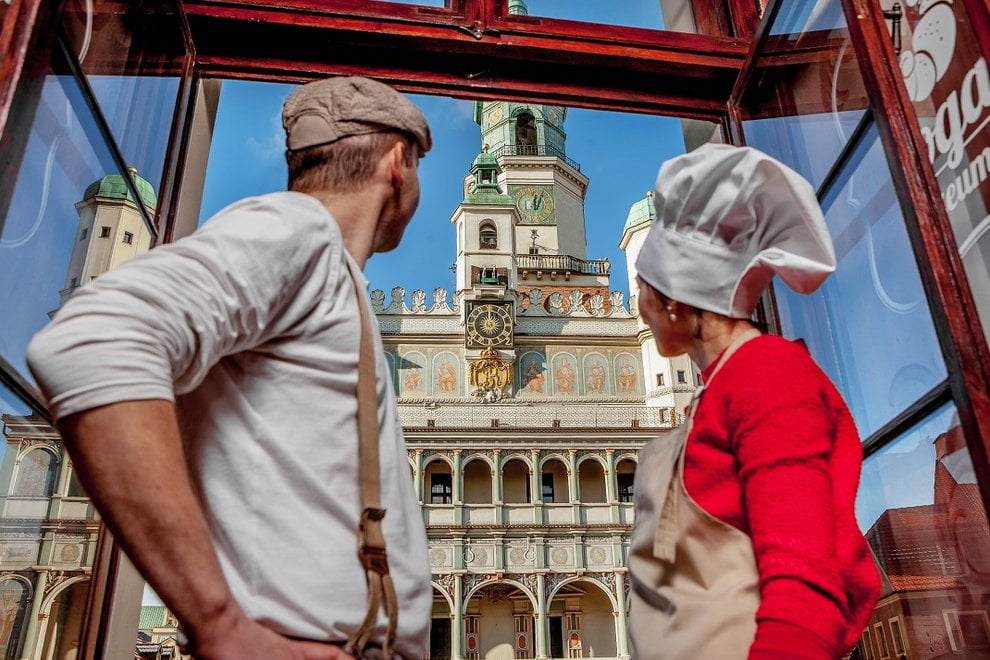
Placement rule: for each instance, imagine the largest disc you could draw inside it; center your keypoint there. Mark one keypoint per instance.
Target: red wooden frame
(469, 52)
(953, 308)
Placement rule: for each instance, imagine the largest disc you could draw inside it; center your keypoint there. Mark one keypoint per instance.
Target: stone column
(457, 632)
(62, 488)
(457, 488)
(535, 488)
(572, 486)
(418, 477)
(621, 632)
(497, 486)
(34, 616)
(542, 626)
(611, 486)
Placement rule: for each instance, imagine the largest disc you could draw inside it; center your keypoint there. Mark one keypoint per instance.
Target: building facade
(882, 106)
(525, 394)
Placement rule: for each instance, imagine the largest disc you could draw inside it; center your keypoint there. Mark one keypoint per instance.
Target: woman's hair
(344, 165)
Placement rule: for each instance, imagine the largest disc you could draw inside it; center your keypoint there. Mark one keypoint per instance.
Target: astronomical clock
(534, 203)
(489, 324)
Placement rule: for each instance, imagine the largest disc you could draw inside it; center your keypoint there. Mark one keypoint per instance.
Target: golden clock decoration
(494, 117)
(490, 373)
(535, 204)
(489, 324)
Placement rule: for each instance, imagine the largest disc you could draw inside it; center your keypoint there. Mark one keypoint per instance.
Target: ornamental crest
(490, 375)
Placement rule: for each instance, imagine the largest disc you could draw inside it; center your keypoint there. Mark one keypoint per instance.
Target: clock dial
(534, 203)
(489, 324)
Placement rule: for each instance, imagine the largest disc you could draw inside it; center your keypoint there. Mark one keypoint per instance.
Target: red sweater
(775, 453)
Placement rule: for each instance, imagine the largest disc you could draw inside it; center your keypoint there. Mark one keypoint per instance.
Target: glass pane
(427, 3)
(802, 110)
(133, 56)
(797, 17)
(48, 542)
(630, 13)
(920, 508)
(869, 325)
(61, 229)
(947, 78)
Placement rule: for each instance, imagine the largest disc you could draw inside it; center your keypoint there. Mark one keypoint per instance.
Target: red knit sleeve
(782, 430)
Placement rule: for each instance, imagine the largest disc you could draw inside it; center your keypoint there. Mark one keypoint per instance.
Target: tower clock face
(535, 204)
(489, 324)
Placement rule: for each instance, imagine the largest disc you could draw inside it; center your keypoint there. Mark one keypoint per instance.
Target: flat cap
(327, 110)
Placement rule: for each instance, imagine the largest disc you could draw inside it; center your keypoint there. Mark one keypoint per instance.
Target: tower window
(488, 236)
(74, 281)
(659, 380)
(681, 377)
(128, 237)
(697, 380)
(440, 488)
(625, 483)
(84, 234)
(547, 490)
(104, 232)
(525, 131)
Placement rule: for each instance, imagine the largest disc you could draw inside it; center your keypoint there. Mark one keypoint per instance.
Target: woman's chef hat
(728, 220)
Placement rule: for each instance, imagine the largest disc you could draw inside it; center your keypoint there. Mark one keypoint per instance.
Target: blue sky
(619, 152)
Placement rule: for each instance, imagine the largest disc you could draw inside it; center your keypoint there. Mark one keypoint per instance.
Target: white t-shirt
(251, 326)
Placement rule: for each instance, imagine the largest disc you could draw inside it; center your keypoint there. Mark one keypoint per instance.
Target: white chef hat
(729, 219)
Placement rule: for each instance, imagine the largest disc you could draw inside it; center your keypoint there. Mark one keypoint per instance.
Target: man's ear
(396, 158)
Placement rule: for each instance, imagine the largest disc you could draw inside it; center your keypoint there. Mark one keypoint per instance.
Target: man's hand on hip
(249, 640)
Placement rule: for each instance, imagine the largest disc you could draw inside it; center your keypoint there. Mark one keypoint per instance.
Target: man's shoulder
(281, 207)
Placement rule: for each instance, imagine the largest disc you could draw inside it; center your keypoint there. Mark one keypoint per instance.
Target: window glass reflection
(629, 13)
(799, 16)
(67, 182)
(803, 110)
(133, 56)
(48, 542)
(920, 508)
(869, 326)
(808, 143)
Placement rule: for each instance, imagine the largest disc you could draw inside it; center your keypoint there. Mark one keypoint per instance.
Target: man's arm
(171, 547)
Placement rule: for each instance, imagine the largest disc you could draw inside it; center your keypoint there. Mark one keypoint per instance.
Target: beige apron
(695, 585)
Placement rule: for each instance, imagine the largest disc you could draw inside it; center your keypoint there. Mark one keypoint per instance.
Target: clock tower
(521, 227)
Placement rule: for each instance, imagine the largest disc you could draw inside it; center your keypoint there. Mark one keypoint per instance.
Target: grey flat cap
(328, 110)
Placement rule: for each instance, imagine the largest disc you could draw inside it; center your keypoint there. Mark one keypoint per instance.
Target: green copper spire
(641, 212)
(485, 189)
(113, 186)
(518, 7)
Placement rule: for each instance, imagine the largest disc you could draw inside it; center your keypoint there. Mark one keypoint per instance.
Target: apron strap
(665, 538)
(371, 538)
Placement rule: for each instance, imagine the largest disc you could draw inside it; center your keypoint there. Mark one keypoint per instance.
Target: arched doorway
(582, 623)
(515, 482)
(498, 623)
(553, 482)
(477, 482)
(438, 482)
(625, 474)
(60, 638)
(440, 627)
(591, 482)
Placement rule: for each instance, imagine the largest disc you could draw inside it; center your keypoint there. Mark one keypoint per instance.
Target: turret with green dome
(113, 186)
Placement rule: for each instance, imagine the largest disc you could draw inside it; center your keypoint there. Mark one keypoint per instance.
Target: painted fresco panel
(447, 374)
(532, 374)
(596, 378)
(565, 375)
(628, 379)
(413, 373)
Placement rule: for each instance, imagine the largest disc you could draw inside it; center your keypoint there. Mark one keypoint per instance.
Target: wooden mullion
(951, 301)
(914, 414)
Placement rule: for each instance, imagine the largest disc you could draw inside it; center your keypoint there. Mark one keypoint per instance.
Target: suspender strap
(371, 539)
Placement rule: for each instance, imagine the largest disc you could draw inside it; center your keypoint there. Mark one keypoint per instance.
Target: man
(206, 392)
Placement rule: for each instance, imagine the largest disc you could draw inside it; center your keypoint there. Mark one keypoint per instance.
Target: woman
(745, 543)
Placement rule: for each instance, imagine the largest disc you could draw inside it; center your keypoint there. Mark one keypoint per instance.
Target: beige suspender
(371, 539)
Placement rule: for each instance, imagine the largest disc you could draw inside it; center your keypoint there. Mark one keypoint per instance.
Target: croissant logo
(933, 44)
